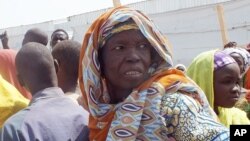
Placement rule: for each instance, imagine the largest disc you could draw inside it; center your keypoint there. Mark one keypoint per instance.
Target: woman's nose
(236, 89)
(133, 55)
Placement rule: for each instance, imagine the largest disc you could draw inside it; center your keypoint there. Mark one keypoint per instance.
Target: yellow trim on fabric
(124, 28)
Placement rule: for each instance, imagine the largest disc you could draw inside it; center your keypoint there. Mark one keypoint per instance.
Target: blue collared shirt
(50, 116)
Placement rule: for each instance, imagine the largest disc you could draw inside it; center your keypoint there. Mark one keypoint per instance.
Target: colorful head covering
(201, 71)
(221, 59)
(100, 31)
(108, 32)
(243, 53)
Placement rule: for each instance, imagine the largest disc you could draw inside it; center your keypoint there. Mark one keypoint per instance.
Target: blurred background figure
(239, 54)
(50, 115)
(66, 56)
(4, 39)
(35, 35)
(57, 36)
(8, 55)
(7, 66)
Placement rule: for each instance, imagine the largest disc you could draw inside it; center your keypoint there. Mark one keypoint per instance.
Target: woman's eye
(227, 81)
(118, 47)
(239, 82)
(142, 46)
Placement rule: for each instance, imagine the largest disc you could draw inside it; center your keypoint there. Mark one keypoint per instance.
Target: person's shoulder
(239, 116)
(238, 112)
(15, 121)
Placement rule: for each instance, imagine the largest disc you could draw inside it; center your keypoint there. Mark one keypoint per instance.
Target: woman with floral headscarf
(130, 88)
(219, 75)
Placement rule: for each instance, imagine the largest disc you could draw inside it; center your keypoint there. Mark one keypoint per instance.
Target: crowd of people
(119, 84)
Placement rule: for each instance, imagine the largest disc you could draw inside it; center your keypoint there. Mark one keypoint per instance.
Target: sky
(23, 12)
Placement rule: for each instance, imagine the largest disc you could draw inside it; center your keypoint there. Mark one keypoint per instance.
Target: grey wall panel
(191, 25)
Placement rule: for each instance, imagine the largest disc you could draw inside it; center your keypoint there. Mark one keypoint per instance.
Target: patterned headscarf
(109, 32)
(221, 59)
(243, 53)
(100, 31)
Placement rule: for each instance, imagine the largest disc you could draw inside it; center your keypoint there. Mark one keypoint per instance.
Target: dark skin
(63, 81)
(35, 75)
(35, 35)
(66, 56)
(58, 37)
(226, 86)
(238, 58)
(130, 54)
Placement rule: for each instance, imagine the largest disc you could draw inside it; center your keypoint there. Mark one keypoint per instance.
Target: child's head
(226, 80)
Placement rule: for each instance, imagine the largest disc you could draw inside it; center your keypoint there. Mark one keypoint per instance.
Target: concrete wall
(191, 25)
(194, 30)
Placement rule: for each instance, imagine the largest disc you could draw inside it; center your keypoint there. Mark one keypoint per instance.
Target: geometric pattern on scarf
(157, 114)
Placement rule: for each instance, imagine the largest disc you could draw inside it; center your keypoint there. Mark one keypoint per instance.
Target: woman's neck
(118, 95)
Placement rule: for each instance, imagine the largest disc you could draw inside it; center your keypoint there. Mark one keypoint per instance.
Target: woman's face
(226, 86)
(126, 59)
(239, 61)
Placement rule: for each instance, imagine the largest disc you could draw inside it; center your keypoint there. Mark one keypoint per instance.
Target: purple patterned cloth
(221, 59)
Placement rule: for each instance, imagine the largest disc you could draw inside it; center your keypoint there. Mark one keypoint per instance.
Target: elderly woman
(218, 74)
(130, 87)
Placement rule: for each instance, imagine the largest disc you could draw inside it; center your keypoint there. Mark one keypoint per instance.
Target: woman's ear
(56, 64)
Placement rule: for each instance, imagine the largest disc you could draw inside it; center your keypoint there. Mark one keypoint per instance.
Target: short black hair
(35, 35)
(58, 30)
(67, 53)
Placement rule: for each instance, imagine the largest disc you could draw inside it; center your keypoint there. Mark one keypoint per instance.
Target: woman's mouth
(133, 74)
